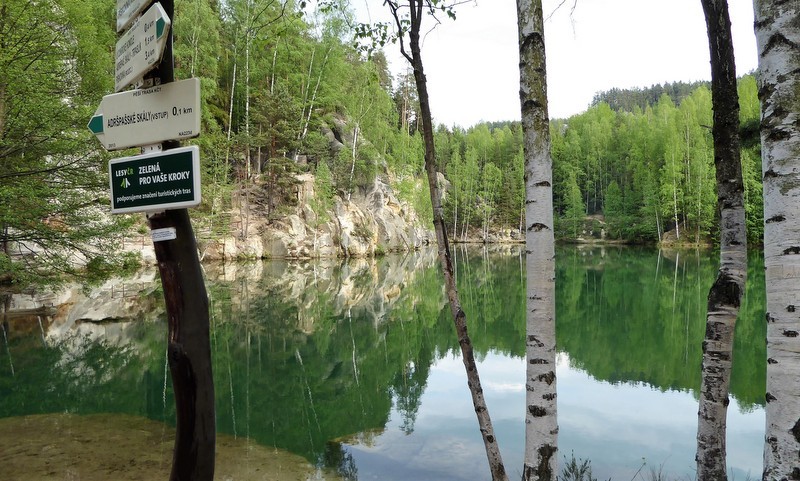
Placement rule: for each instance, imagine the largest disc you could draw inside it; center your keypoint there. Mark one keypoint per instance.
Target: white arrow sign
(148, 116)
(127, 10)
(139, 50)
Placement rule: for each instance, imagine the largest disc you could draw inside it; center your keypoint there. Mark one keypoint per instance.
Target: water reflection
(355, 365)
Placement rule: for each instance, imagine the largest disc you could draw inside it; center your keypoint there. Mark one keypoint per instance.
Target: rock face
(365, 225)
(367, 222)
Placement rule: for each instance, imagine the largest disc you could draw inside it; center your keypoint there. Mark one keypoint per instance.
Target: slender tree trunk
(306, 87)
(700, 205)
(417, 8)
(353, 163)
(258, 150)
(230, 112)
(3, 84)
(455, 210)
(314, 93)
(778, 39)
(658, 224)
(195, 37)
(725, 295)
(272, 74)
(675, 200)
(470, 195)
(247, 40)
(2, 106)
(541, 424)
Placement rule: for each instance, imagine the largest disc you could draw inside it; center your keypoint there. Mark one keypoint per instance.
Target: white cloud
(472, 64)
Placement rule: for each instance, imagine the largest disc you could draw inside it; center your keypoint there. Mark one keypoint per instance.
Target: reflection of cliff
(355, 287)
(312, 351)
(106, 311)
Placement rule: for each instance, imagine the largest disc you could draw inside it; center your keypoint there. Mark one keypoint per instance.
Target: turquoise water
(355, 365)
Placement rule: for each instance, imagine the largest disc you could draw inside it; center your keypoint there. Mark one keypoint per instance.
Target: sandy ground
(120, 447)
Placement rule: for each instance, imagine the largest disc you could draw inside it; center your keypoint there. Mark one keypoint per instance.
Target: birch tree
(406, 27)
(541, 426)
(778, 40)
(413, 22)
(725, 295)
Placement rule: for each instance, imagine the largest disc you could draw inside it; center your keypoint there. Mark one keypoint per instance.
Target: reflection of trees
(337, 457)
(310, 364)
(72, 374)
(624, 318)
(297, 362)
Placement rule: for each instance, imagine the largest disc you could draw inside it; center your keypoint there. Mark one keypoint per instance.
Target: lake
(355, 367)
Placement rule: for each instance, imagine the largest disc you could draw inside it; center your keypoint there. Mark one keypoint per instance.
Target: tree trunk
(307, 119)
(353, 162)
(247, 40)
(3, 85)
(675, 200)
(455, 210)
(496, 466)
(725, 295)
(230, 113)
(778, 40)
(541, 424)
(188, 339)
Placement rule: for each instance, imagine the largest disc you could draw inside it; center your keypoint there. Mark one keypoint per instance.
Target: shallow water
(101, 447)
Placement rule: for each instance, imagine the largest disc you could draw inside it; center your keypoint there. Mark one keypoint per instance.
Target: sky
(472, 63)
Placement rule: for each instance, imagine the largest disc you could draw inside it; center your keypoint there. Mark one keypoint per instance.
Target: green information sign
(154, 182)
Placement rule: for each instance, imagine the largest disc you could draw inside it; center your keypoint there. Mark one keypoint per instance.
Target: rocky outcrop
(367, 224)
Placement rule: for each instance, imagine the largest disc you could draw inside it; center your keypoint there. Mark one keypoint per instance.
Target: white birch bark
(230, 113)
(541, 426)
(777, 29)
(314, 94)
(247, 40)
(353, 163)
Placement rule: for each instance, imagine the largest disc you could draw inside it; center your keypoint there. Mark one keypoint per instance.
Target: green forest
(286, 91)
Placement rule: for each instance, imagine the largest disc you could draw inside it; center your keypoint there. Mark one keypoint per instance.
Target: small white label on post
(160, 235)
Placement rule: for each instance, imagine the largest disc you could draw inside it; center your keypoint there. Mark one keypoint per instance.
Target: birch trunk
(416, 11)
(541, 425)
(675, 200)
(247, 39)
(455, 210)
(230, 113)
(778, 40)
(725, 295)
(307, 119)
(353, 162)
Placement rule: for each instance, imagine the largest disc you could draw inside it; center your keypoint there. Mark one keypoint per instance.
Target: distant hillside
(626, 100)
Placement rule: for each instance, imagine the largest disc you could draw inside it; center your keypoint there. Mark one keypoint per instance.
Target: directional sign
(148, 116)
(127, 10)
(153, 182)
(139, 49)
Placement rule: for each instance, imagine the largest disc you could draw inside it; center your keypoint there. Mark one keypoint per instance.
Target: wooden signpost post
(163, 184)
